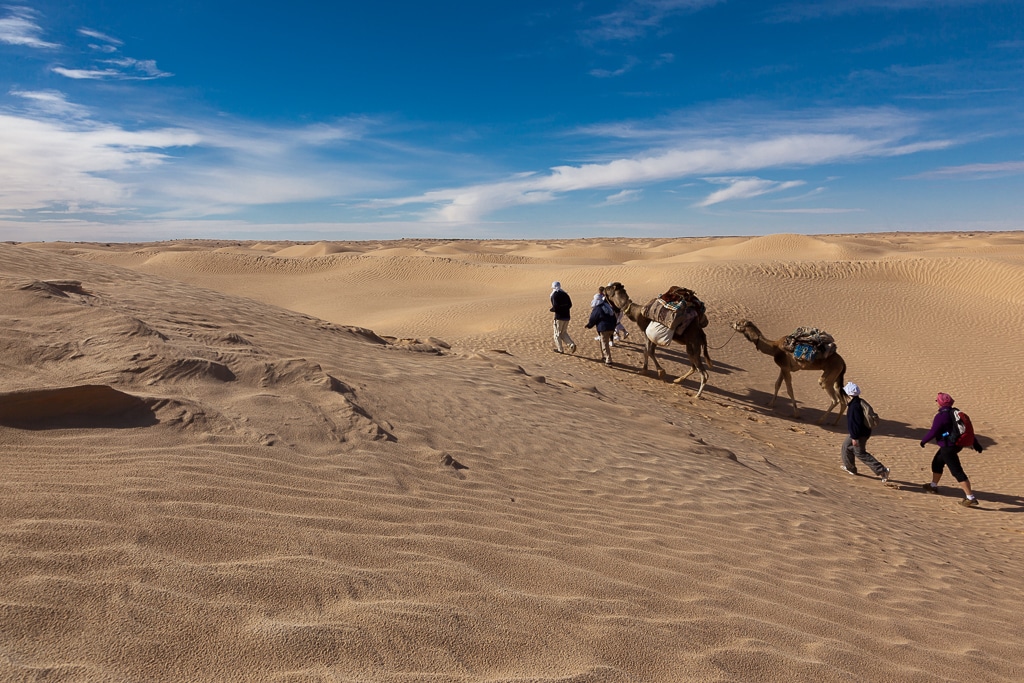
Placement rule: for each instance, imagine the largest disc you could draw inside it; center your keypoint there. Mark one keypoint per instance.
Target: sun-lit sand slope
(361, 461)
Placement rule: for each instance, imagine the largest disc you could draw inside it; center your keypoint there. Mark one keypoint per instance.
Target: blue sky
(345, 120)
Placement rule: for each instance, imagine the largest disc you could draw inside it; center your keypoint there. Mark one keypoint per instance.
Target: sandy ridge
(603, 527)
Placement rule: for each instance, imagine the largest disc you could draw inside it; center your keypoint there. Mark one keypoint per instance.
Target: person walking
(602, 316)
(598, 299)
(620, 329)
(858, 433)
(561, 302)
(945, 433)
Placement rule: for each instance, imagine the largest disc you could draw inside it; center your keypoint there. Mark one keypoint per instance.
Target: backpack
(964, 426)
(870, 416)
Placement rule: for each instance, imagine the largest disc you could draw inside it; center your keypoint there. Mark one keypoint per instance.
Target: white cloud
(812, 211)
(56, 156)
(973, 171)
(814, 9)
(20, 28)
(744, 188)
(636, 18)
(680, 159)
(625, 68)
(51, 103)
(47, 162)
(86, 74)
(121, 69)
(99, 36)
(623, 197)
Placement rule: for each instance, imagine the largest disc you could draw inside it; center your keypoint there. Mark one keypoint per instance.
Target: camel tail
(707, 356)
(842, 382)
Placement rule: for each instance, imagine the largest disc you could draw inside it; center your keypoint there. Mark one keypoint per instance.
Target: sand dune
(362, 462)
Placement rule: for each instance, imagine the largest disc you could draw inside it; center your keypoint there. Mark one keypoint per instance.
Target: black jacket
(560, 304)
(855, 423)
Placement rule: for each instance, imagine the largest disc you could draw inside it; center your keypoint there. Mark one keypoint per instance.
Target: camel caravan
(678, 315)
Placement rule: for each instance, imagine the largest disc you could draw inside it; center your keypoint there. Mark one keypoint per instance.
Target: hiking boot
(884, 476)
(844, 468)
(928, 488)
(969, 502)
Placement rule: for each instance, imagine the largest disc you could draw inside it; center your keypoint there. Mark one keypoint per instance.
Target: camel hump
(810, 343)
(677, 308)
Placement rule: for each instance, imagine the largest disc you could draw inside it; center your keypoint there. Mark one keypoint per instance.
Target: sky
(223, 119)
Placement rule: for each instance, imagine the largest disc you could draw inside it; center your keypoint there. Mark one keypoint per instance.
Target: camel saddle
(810, 343)
(676, 308)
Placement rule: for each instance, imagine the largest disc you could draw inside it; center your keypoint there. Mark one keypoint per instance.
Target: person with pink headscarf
(945, 433)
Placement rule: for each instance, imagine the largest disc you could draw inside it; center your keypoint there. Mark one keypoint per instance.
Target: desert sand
(362, 461)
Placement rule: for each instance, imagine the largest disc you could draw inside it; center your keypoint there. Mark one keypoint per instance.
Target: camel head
(748, 329)
(616, 293)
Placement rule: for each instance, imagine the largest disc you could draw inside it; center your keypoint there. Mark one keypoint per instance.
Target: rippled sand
(361, 461)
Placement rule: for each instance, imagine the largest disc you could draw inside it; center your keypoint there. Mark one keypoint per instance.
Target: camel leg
(703, 381)
(835, 394)
(704, 347)
(649, 356)
(679, 380)
(842, 408)
(652, 349)
(778, 383)
(840, 399)
(830, 407)
(694, 355)
(789, 388)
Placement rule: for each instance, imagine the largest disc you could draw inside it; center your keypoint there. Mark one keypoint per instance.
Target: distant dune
(362, 461)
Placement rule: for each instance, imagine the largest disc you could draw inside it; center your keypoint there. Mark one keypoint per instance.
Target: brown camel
(692, 337)
(833, 368)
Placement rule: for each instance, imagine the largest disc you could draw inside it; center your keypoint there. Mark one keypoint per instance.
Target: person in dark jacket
(945, 433)
(603, 317)
(561, 302)
(858, 433)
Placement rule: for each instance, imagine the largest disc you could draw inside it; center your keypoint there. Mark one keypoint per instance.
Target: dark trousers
(950, 457)
(860, 452)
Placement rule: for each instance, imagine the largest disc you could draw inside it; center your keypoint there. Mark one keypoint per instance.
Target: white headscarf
(556, 285)
(851, 389)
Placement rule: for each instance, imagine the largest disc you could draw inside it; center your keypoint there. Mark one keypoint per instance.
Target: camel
(692, 337)
(833, 369)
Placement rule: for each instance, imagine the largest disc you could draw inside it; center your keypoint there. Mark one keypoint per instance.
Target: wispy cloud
(123, 69)
(51, 103)
(636, 18)
(57, 156)
(973, 171)
(809, 211)
(624, 197)
(46, 162)
(814, 9)
(20, 28)
(843, 138)
(89, 33)
(744, 188)
(605, 73)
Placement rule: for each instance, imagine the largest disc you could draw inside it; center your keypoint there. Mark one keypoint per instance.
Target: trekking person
(620, 329)
(599, 298)
(603, 317)
(561, 302)
(858, 433)
(945, 433)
